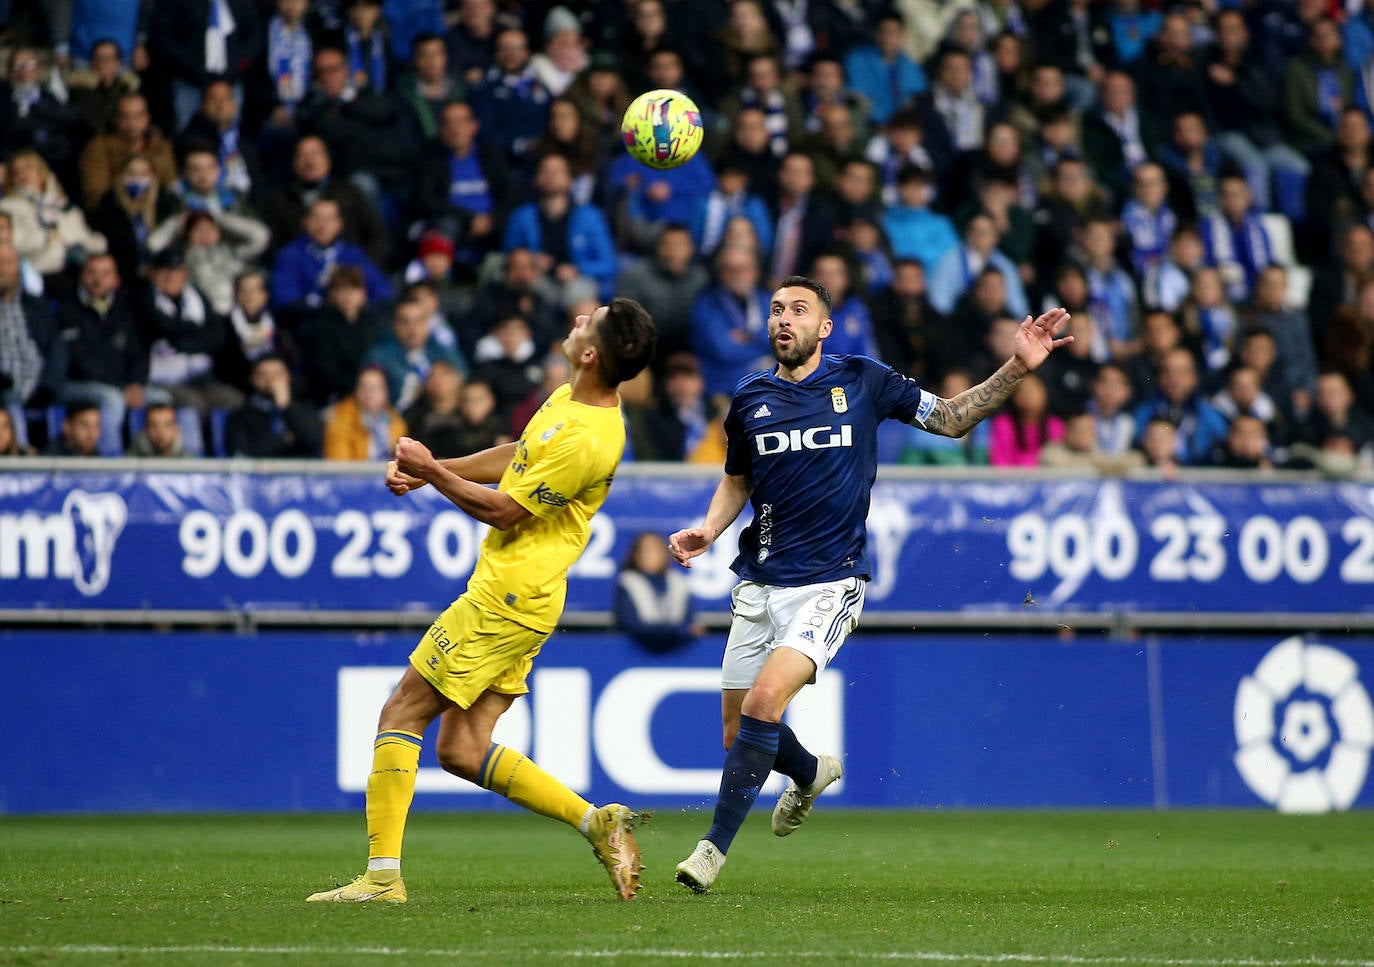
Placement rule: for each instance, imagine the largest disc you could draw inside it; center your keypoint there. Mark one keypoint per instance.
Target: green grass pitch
(1211, 889)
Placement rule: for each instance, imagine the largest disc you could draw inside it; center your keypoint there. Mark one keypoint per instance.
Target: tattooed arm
(1035, 340)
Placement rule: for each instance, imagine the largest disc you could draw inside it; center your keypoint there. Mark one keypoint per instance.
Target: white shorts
(814, 620)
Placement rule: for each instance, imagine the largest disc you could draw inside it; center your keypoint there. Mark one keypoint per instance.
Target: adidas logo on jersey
(762, 411)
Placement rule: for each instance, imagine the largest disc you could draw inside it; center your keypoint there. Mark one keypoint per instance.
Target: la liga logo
(1304, 728)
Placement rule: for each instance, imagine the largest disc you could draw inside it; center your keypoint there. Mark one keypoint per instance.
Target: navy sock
(793, 760)
(747, 765)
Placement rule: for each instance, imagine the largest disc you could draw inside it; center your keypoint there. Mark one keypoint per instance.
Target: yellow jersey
(562, 470)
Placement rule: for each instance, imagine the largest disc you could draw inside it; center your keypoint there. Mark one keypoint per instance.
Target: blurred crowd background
(303, 228)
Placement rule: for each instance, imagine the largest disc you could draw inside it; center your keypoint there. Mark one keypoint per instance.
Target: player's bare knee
(765, 701)
(463, 762)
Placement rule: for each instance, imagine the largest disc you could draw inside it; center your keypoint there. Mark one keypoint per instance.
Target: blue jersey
(809, 451)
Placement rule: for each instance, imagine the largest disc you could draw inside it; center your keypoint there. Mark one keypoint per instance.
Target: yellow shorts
(469, 650)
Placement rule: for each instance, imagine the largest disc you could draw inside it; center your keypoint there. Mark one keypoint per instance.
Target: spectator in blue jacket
(730, 322)
(511, 102)
(657, 198)
(961, 265)
(882, 71)
(303, 267)
(913, 230)
(730, 197)
(573, 241)
(406, 353)
(78, 25)
(1201, 426)
(408, 19)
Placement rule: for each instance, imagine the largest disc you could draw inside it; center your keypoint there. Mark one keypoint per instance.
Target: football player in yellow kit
(472, 662)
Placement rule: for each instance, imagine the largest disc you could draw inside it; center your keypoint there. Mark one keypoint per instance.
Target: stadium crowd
(305, 227)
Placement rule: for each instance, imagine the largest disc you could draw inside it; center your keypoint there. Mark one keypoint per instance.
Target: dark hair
(148, 410)
(350, 276)
(802, 282)
(199, 146)
(905, 118)
(625, 341)
(909, 172)
(108, 42)
(426, 37)
(825, 57)
(77, 407)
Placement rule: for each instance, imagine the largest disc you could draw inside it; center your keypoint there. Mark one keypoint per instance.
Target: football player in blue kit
(802, 448)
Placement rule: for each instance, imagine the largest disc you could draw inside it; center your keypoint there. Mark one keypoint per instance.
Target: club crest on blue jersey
(838, 401)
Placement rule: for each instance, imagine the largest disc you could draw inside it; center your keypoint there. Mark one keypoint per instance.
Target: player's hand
(1039, 337)
(399, 483)
(687, 544)
(414, 459)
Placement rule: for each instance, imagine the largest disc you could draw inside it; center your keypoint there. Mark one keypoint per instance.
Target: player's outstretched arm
(1035, 340)
(484, 467)
(726, 503)
(489, 506)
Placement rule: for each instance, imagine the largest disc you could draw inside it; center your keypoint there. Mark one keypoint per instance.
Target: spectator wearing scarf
(511, 102)
(304, 267)
(363, 425)
(1235, 241)
(1147, 219)
(289, 53)
(763, 89)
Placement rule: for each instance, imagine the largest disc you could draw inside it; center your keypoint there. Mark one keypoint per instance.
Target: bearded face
(792, 348)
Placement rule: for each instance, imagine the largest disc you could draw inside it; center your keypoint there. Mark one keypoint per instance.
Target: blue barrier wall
(213, 721)
(251, 542)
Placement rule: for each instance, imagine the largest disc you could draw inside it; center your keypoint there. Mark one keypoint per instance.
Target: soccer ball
(662, 129)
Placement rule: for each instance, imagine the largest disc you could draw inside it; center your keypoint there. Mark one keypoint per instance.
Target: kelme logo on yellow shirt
(544, 495)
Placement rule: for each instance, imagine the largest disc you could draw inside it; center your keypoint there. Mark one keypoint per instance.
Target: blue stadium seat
(52, 420)
(219, 426)
(192, 436)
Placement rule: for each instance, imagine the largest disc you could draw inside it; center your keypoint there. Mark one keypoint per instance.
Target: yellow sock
(390, 788)
(516, 777)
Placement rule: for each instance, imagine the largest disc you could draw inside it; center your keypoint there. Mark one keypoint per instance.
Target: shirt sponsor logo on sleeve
(544, 495)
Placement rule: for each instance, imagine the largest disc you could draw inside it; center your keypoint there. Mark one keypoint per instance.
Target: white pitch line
(932, 956)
